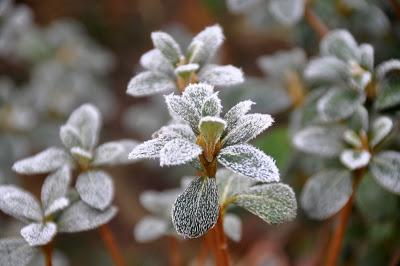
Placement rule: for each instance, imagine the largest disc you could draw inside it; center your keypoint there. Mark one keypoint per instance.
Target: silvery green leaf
(183, 70)
(287, 12)
(341, 44)
(248, 127)
(381, 127)
(318, 140)
(211, 128)
(339, 103)
(385, 167)
(197, 93)
(167, 46)
(149, 229)
(56, 206)
(249, 161)
(127, 145)
(176, 131)
(155, 61)
(221, 76)
(211, 38)
(39, 234)
(231, 184)
(179, 151)
(211, 106)
(95, 188)
(240, 6)
(183, 109)
(195, 211)
(196, 52)
(19, 203)
(81, 154)
(159, 203)
(367, 56)
(352, 138)
(15, 251)
(386, 67)
(86, 119)
(150, 83)
(55, 186)
(274, 203)
(388, 77)
(108, 153)
(326, 69)
(279, 63)
(44, 162)
(354, 159)
(326, 193)
(234, 114)
(360, 119)
(233, 227)
(149, 149)
(81, 217)
(70, 136)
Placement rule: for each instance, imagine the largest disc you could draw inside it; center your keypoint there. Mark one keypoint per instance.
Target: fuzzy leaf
(197, 94)
(354, 159)
(211, 106)
(149, 229)
(109, 154)
(385, 167)
(326, 69)
(44, 162)
(352, 138)
(241, 6)
(16, 252)
(183, 109)
(287, 12)
(55, 186)
(211, 38)
(234, 114)
(81, 217)
(247, 128)
(221, 76)
(176, 131)
(326, 193)
(179, 151)
(388, 77)
(81, 155)
(360, 119)
(233, 227)
(231, 184)
(211, 128)
(381, 127)
(150, 83)
(149, 149)
(56, 206)
(154, 60)
(167, 46)
(19, 203)
(70, 137)
(185, 70)
(340, 43)
(274, 203)
(96, 188)
(280, 63)
(195, 211)
(249, 161)
(39, 234)
(367, 56)
(159, 203)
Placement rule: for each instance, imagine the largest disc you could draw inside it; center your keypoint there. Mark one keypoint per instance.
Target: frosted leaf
(149, 149)
(159, 203)
(249, 161)
(81, 154)
(150, 83)
(211, 128)
(279, 63)
(385, 168)
(179, 151)
(197, 94)
(231, 184)
(236, 112)
(352, 138)
(211, 106)
(56, 206)
(16, 252)
(339, 104)
(39, 234)
(326, 193)
(212, 38)
(384, 68)
(167, 46)
(186, 69)
(241, 6)
(233, 227)
(120, 157)
(70, 136)
(389, 94)
(221, 76)
(176, 131)
(19, 203)
(248, 127)
(87, 121)
(367, 56)
(149, 229)
(196, 52)
(287, 12)
(354, 159)
(326, 69)
(324, 141)
(183, 109)
(81, 217)
(55, 186)
(155, 61)
(44, 162)
(381, 127)
(340, 43)
(195, 211)
(96, 188)
(274, 203)
(360, 119)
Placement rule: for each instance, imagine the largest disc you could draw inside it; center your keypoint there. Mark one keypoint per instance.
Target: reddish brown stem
(175, 256)
(221, 242)
(111, 245)
(315, 22)
(396, 7)
(206, 245)
(48, 252)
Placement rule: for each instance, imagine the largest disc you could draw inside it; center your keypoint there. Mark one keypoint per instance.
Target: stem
(221, 242)
(48, 251)
(111, 245)
(175, 256)
(205, 247)
(315, 22)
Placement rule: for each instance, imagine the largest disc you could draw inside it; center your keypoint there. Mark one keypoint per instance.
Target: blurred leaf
(15, 251)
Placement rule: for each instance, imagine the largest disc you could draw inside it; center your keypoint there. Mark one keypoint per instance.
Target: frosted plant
(169, 67)
(204, 139)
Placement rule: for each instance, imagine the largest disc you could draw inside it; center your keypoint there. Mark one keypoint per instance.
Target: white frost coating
(212, 38)
(150, 83)
(69, 136)
(44, 162)
(236, 112)
(354, 159)
(367, 56)
(186, 68)
(39, 234)
(167, 46)
(175, 131)
(385, 167)
(248, 127)
(197, 94)
(154, 60)
(149, 229)
(233, 227)
(249, 161)
(340, 43)
(56, 206)
(381, 127)
(149, 149)
(279, 63)
(159, 203)
(352, 138)
(15, 251)
(326, 69)
(182, 108)
(79, 153)
(221, 76)
(287, 12)
(211, 106)
(385, 67)
(96, 188)
(107, 153)
(179, 151)
(55, 186)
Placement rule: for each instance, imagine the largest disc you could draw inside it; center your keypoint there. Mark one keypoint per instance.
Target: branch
(315, 22)
(111, 245)
(48, 251)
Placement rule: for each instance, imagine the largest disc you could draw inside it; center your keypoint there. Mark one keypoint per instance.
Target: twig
(315, 22)
(175, 256)
(206, 245)
(111, 245)
(222, 243)
(48, 251)
(396, 7)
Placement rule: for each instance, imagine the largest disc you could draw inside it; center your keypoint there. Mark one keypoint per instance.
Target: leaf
(211, 106)
(39, 234)
(239, 6)
(354, 159)
(340, 43)
(179, 151)
(95, 188)
(167, 46)
(274, 203)
(149, 149)
(221, 76)
(15, 251)
(326, 69)
(195, 211)
(159, 203)
(326, 193)
(107, 153)
(234, 114)
(211, 38)
(381, 127)
(247, 128)
(287, 12)
(149, 229)
(154, 60)
(360, 119)
(150, 83)
(385, 168)
(19, 203)
(352, 138)
(233, 227)
(231, 184)
(57, 205)
(249, 161)
(183, 109)
(44, 162)
(211, 128)
(282, 62)
(175, 131)
(70, 136)
(81, 217)
(55, 186)
(367, 56)
(186, 70)
(197, 93)
(81, 155)
(318, 140)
